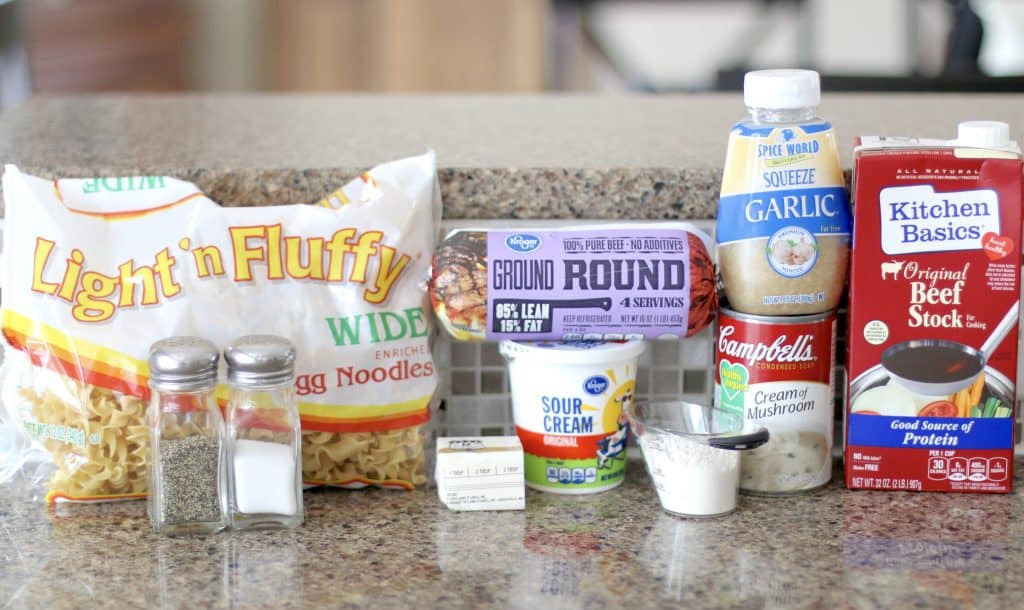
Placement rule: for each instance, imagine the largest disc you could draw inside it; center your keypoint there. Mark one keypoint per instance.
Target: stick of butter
(480, 473)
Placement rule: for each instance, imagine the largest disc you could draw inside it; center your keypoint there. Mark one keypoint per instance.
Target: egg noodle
(395, 456)
(99, 269)
(97, 438)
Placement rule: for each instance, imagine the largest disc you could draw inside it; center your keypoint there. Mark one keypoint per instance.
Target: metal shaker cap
(183, 364)
(260, 361)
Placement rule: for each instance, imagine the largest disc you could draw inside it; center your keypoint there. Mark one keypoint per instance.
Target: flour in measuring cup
(692, 479)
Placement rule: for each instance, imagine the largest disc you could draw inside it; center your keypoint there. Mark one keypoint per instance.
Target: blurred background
(71, 46)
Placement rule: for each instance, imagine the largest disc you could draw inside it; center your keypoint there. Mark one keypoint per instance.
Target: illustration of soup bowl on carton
(877, 392)
(937, 378)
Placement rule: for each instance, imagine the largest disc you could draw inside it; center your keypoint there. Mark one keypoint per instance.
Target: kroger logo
(522, 242)
(595, 385)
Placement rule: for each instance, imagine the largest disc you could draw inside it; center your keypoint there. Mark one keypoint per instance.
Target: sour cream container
(567, 402)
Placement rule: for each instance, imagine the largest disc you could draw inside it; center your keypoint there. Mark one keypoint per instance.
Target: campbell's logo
(800, 349)
(522, 242)
(596, 385)
(917, 219)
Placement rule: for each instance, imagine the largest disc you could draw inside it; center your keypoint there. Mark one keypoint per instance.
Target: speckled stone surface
(386, 549)
(515, 157)
(627, 157)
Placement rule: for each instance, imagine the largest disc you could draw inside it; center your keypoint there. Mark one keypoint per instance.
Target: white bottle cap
(983, 134)
(781, 89)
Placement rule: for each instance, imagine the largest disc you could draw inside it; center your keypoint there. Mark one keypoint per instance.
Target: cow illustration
(626, 400)
(614, 445)
(892, 267)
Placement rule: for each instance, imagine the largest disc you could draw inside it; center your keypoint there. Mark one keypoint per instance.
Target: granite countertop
(499, 157)
(566, 156)
(387, 549)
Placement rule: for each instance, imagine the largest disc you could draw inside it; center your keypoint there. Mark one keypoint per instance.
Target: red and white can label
(778, 372)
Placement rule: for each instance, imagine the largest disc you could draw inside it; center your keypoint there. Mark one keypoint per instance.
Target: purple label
(579, 284)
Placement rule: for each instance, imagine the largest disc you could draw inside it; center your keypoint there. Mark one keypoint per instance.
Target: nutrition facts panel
(968, 469)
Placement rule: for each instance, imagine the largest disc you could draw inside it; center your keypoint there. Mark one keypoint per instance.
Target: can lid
(777, 320)
(183, 364)
(783, 89)
(983, 134)
(571, 352)
(259, 361)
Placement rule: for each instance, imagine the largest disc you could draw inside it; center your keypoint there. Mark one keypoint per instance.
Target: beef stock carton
(934, 312)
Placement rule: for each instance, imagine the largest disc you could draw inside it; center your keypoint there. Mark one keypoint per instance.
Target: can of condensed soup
(778, 371)
(568, 400)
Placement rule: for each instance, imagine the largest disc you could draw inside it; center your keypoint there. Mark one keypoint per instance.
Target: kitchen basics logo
(917, 219)
(522, 242)
(596, 385)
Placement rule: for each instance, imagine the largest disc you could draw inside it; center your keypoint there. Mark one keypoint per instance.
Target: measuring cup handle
(1002, 329)
(740, 442)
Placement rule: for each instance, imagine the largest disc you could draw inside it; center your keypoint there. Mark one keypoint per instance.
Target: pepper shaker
(264, 434)
(187, 482)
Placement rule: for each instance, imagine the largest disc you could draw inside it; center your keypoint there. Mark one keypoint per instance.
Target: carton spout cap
(983, 134)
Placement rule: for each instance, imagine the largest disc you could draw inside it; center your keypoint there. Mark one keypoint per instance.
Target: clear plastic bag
(108, 266)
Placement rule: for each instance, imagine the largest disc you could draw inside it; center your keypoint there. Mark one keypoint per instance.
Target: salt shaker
(264, 435)
(187, 479)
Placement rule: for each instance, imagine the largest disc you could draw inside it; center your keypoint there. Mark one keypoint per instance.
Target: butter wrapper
(480, 473)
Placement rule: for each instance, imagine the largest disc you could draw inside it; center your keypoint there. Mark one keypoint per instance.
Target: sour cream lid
(571, 352)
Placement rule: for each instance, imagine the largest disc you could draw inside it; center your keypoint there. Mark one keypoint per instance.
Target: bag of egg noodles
(98, 269)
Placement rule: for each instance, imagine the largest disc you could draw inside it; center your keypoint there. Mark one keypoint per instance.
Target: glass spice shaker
(187, 479)
(264, 434)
